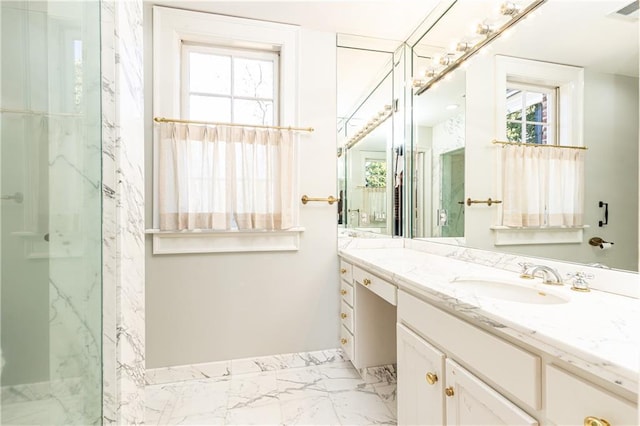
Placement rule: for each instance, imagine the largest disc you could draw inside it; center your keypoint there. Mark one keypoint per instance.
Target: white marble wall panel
(123, 219)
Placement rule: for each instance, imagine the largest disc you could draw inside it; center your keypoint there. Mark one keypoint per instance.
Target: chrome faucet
(549, 275)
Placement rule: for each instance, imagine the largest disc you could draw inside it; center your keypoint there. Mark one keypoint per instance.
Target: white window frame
(569, 81)
(552, 108)
(570, 99)
(188, 48)
(171, 29)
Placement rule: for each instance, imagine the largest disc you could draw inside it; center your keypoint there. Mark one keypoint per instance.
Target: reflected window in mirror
(531, 114)
(375, 173)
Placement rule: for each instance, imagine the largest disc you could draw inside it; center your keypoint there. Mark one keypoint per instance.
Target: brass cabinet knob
(594, 421)
(343, 271)
(432, 378)
(343, 341)
(366, 281)
(449, 391)
(343, 292)
(343, 315)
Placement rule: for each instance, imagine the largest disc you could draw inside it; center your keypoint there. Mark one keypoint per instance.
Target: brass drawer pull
(594, 421)
(343, 315)
(449, 391)
(343, 271)
(343, 292)
(343, 341)
(432, 378)
(366, 281)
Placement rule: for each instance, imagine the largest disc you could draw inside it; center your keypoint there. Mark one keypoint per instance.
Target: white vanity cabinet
(420, 380)
(571, 400)
(434, 389)
(368, 317)
(470, 401)
(347, 328)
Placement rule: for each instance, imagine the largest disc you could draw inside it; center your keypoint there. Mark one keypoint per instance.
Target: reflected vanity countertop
(595, 331)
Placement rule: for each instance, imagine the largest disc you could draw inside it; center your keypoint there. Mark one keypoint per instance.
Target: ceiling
(386, 19)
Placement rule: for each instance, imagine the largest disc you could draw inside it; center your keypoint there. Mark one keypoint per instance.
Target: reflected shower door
(50, 213)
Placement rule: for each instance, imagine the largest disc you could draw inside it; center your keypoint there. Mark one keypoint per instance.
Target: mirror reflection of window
(531, 114)
(375, 173)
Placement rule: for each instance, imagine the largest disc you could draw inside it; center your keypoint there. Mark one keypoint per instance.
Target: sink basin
(496, 289)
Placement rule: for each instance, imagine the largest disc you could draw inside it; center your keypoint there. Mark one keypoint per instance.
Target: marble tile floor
(327, 394)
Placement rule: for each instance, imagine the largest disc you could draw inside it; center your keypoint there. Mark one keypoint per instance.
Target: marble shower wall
(123, 209)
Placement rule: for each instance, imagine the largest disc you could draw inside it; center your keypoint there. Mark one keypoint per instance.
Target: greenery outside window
(375, 173)
(531, 114)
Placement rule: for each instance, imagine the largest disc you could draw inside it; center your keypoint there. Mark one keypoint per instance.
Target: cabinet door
(420, 398)
(570, 400)
(471, 402)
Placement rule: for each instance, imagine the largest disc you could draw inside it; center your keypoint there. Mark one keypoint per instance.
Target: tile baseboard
(225, 369)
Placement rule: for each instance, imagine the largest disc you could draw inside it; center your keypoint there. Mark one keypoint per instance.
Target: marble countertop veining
(596, 331)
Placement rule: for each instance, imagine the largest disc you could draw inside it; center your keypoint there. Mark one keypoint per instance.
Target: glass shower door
(50, 213)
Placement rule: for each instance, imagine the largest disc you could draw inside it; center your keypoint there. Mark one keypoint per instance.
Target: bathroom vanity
(479, 345)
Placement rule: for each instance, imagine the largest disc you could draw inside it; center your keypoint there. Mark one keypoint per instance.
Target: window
(215, 68)
(531, 114)
(375, 173)
(229, 85)
(542, 189)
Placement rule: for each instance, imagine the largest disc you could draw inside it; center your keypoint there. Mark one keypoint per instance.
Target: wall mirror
(367, 162)
(455, 121)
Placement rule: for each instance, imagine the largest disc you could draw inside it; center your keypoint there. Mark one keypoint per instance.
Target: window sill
(201, 241)
(507, 236)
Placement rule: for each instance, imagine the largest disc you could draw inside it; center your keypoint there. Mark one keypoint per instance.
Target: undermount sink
(496, 289)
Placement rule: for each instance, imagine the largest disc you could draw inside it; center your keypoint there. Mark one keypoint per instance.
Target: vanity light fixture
(509, 9)
(489, 32)
(446, 60)
(377, 120)
(463, 46)
(484, 29)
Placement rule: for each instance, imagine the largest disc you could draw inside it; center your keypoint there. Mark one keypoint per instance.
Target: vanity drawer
(377, 285)
(346, 290)
(346, 342)
(571, 399)
(346, 271)
(509, 367)
(346, 315)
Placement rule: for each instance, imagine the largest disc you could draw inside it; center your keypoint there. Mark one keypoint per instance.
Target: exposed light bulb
(446, 60)
(509, 9)
(484, 29)
(463, 46)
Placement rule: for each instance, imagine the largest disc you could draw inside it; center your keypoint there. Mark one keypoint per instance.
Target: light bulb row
(440, 64)
(377, 120)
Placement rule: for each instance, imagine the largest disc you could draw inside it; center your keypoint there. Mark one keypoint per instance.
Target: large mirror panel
(500, 96)
(370, 163)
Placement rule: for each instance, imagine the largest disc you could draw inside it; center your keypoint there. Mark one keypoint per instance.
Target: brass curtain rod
(214, 123)
(539, 145)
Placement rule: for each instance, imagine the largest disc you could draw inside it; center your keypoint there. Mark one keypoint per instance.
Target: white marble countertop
(595, 331)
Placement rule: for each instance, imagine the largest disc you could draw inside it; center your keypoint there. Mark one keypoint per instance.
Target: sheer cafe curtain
(226, 178)
(542, 186)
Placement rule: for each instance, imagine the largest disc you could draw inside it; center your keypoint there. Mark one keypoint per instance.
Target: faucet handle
(525, 268)
(580, 282)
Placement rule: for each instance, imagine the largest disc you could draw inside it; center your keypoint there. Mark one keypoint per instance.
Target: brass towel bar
(330, 199)
(215, 123)
(488, 202)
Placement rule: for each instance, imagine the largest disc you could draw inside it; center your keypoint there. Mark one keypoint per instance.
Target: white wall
(611, 168)
(211, 307)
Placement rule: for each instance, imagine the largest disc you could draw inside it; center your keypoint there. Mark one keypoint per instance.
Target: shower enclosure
(50, 213)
